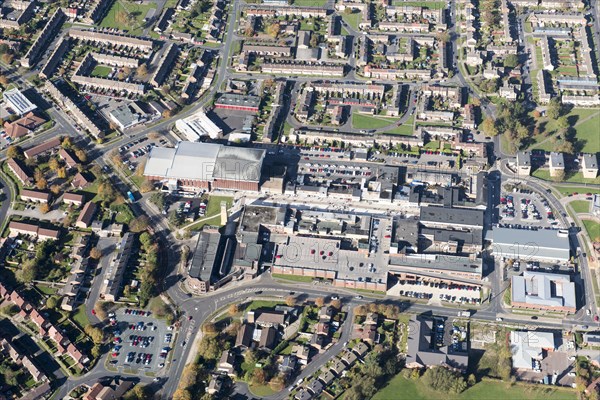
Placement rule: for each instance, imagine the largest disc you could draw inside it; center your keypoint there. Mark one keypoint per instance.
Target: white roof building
(527, 346)
(547, 291)
(198, 125)
(17, 102)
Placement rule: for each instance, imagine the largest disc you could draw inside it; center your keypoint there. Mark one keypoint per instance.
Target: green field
(406, 129)
(261, 390)
(566, 190)
(213, 210)
(572, 178)
(310, 3)
(352, 19)
(293, 278)
(80, 317)
(120, 11)
(402, 388)
(435, 5)
(592, 228)
(580, 206)
(101, 71)
(588, 131)
(360, 121)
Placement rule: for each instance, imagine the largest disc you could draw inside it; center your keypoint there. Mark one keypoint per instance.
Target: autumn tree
(273, 29)
(290, 301)
(81, 155)
(489, 127)
(44, 208)
(41, 183)
(52, 302)
(139, 224)
(62, 173)
(94, 333)
(3, 80)
(209, 328)
(53, 164)
(337, 304)
(142, 70)
(95, 253)
(55, 189)
(13, 152)
(67, 142)
(319, 301)
(233, 309)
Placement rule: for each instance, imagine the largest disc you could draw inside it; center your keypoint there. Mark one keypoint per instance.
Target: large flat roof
(441, 262)
(205, 162)
(452, 215)
(521, 243)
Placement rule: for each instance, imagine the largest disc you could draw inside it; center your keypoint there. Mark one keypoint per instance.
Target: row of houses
(45, 328)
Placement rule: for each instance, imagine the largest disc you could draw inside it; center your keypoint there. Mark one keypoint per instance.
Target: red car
(190, 318)
(93, 312)
(596, 319)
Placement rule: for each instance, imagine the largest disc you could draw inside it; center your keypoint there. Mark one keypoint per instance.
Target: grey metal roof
(205, 256)
(238, 163)
(520, 243)
(544, 289)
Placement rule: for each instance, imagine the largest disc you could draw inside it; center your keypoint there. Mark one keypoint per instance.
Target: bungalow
(349, 357)
(42, 148)
(338, 366)
(318, 341)
(34, 196)
(288, 364)
(244, 336)
(327, 377)
(80, 181)
(316, 387)
(227, 363)
(86, 216)
(360, 349)
(19, 171)
(68, 158)
(73, 199)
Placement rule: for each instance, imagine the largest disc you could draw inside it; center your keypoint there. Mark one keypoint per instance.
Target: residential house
(80, 181)
(35, 196)
(557, 164)
(589, 166)
(73, 199)
(227, 363)
(86, 216)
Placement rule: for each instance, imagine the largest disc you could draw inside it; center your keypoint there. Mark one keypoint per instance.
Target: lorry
(465, 314)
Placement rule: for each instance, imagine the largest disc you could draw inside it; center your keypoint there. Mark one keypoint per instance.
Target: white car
(588, 312)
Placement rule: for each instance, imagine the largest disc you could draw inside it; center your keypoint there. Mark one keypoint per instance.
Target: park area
(360, 121)
(585, 121)
(403, 388)
(128, 15)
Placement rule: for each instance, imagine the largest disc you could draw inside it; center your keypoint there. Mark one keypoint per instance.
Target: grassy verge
(360, 121)
(293, 278)
(580, 206)
(592, 228)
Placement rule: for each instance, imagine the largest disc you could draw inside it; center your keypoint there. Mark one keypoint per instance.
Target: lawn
(80, 317)
(573, 178)
(360, 121)
(261, 390)
(580, 206)
(117, 16)
(586, 131)
(406, 129)
(101, 71)
(589, 133)
(592, 228)
(435, 5)
(402, 388)
(352, 19)
(293, 278)
(309, 3)
(256, 304)
(566, 190)
(213, 209)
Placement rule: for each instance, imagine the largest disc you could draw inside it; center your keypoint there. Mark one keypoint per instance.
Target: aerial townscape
(299, 199)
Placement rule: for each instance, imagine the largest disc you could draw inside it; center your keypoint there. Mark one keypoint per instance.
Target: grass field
(121, 9)
(213, 210)
(435, 5)
(586, 131)
(402, 388)
(406, 129)
(592, 228)
(580, 206)
(566, 190)
(352, 19)
(293, 278)
(261, 390)
(80, 317)
(360, 121)
(309, 3)
(101, 71)
(573, 178)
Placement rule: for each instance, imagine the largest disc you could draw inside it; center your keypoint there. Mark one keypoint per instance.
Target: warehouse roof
(544, 289)
(544, 244)
(452, 216)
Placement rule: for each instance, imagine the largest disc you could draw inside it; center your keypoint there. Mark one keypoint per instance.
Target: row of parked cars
(141, 313)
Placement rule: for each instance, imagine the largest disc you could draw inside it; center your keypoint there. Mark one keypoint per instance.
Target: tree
(182, 394)
(360, 310)
(444, 380)
(348, 10)
(258, 376)
(555, 108)
(44, 208)
(233, 309)
(95, 253)
(147, 186)
(52, 302)
(290, 301)
(94, 333)
(209, 328)
(273, 29)
(139, 224)
(55, 189)
(67, 143)
(41, 183)
(139, 392)
(13, 152)
(81, 155)
(489, 127)
(511, 61)
(61, 173)
(53, 164)
(337, 304)
(28, 271)
(142, 70)
(319, 301)
(3, 80)
(563, 122)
